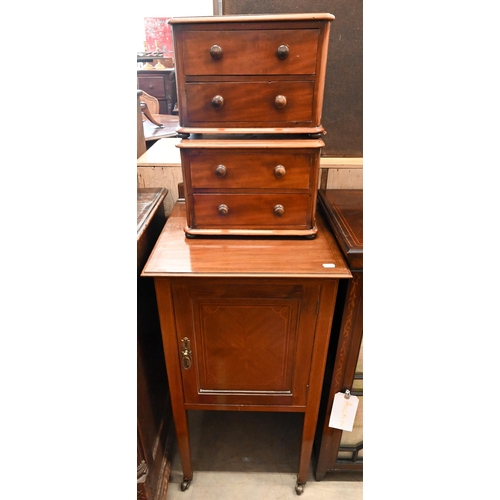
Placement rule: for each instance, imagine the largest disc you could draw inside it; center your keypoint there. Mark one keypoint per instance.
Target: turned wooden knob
(218, 101)
(221, 171)
(280, 101)
(215, 52)
(279, 171)
(283, 51)
(223, 209)
(279, 210)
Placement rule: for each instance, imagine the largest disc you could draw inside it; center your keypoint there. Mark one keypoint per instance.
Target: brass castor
(299, 489)
(185, 485)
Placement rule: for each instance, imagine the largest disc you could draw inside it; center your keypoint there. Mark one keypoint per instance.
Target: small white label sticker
(343, 412)
(328, 265)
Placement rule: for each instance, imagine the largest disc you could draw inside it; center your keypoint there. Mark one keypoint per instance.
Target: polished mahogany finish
(245, 324)
(154, 414)
(251, 186)
(343, 208)
(251, 73)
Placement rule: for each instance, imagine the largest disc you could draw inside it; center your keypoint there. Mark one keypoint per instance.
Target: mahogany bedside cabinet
(154, 413)
(336, 449)
(245, 324)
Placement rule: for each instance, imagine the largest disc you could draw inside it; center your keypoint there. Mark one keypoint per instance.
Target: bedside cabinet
(245, 324)
(159, 83)
(337, 449)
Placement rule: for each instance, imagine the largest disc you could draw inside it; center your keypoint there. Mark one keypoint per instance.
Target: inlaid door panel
(245, 344)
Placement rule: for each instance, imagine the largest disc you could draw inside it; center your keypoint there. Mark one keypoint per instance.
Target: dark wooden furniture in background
(343, 101)
(160, 83)
(343, 208)
(154, 414)
(245, 324)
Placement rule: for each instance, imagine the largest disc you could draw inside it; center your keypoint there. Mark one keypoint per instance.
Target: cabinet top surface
(252, 18)
(177, 255)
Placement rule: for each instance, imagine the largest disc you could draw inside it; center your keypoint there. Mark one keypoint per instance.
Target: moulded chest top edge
(252, 18)
(250, 143)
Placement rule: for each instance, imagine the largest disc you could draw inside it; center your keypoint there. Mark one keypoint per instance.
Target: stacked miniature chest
(250, 95)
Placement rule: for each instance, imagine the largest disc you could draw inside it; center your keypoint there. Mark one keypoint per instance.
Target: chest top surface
(175, 255)
(344, 211)
(325, 16)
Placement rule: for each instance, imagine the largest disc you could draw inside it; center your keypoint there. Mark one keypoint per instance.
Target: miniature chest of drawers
(250, 95)
(254, 187)
(251, 73)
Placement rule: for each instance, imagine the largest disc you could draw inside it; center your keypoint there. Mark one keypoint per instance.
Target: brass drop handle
(279, 210)
(280, 101)
(217, 101)
(283, 51)
(221, 171)
(223, 209)
(186, 353)
(215, 52)
(279, 171)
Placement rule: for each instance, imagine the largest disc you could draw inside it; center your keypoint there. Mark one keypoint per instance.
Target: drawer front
(153, 85)
(259, 103)
(250, 52)
(255, 211)
(222, 170)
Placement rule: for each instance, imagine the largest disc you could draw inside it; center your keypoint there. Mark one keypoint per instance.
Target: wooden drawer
(153, 85)
(254, 211)
(257, 104)
(222, 170)
(272, 52)
(268, 71)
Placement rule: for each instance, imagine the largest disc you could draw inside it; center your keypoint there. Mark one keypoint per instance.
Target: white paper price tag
(343, 412)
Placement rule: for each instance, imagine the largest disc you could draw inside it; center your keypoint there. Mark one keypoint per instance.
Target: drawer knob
(283, 51)
(223, 210)
(279, 210)
(280, 101)
(221, 171)
(279, 171)
(218, 101)
(215, 52)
